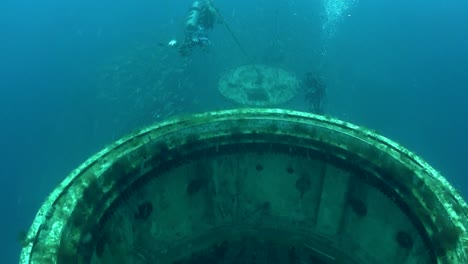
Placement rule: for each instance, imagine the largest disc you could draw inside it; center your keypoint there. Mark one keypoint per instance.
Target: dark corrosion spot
(290, 170)
(195, 185)
(303, 184)
(265, 206)
(404, 240)
(259, 167)
(144, 211)
(358, 206)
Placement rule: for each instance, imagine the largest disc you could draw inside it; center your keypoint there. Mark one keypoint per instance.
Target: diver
(201, 18)
(314, 92)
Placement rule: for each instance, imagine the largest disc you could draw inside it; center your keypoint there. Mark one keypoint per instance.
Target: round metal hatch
(251, 186)
(258, 85)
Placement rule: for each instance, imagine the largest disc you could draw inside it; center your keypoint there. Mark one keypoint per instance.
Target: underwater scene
(76, 76)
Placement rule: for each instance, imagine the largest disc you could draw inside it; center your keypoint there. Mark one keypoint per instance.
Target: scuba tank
(193, 17)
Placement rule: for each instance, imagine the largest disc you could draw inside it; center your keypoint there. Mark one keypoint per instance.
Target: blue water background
(399, 67)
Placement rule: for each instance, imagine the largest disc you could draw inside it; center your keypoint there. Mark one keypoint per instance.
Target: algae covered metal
(258, 85)
(251, 186)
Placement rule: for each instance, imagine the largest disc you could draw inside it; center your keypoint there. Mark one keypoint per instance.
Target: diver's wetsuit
(201, 17)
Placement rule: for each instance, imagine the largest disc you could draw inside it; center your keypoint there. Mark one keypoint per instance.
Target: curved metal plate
(250, 182)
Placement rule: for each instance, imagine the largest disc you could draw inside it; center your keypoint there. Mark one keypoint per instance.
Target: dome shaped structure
(258, 85)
